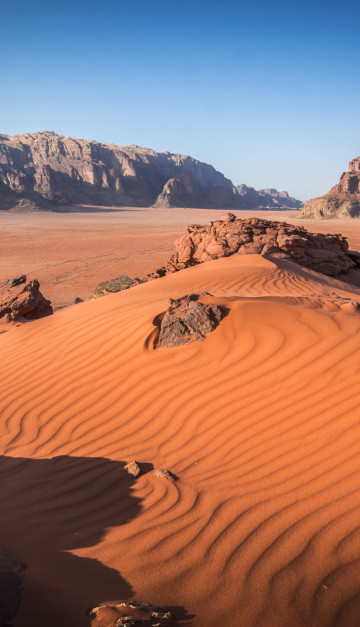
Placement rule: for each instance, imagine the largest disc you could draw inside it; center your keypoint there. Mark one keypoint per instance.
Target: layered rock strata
(43, 170)
(342, 201)
(328, 254)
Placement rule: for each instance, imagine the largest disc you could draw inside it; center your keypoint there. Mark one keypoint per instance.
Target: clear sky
(267, 92)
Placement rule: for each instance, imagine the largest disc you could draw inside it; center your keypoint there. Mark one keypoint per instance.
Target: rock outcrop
(117, 284)
(328, 254)
(11, 583)
(188, 320)
(342, 201)
(22, 299)
(42, 170)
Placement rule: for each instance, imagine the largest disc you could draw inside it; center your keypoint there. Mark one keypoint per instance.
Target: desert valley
(179, 447)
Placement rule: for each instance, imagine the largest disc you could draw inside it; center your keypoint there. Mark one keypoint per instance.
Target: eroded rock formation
(43, 170)
(328, 254)
(22, 299)
(342, 201)
(188, 320)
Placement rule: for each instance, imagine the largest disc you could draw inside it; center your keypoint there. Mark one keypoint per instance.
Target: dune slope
(259, 423)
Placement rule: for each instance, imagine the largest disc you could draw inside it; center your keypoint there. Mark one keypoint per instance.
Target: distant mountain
(342, 201)
(44, 170)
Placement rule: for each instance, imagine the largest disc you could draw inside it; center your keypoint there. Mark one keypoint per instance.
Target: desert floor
(71, 253)
(259, 424)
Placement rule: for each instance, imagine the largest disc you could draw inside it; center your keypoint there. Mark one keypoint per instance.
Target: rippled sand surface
(259, 424)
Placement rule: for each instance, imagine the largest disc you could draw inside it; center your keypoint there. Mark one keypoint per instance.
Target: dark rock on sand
(117, 284)
(188, 320)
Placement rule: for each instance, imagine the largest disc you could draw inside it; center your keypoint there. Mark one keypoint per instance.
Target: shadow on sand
(53, 506)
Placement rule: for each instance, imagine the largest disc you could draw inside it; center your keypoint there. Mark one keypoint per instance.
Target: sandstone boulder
(188, 320)
(22, 299)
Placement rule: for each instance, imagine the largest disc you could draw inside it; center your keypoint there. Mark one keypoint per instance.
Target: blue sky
(267, 92)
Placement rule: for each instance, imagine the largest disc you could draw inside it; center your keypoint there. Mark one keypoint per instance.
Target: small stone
(78, 300)
(133, 469)
(164, 474)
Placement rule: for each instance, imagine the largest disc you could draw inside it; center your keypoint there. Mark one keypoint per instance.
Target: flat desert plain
(259, 425)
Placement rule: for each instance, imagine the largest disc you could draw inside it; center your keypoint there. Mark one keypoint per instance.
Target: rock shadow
(51, 507)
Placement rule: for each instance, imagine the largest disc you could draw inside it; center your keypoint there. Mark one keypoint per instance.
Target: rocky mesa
(40, 171)
(342, 201)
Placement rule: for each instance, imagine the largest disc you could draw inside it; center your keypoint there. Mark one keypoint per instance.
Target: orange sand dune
(260, 423)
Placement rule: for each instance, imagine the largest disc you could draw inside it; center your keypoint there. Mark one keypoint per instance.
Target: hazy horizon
(267, 94)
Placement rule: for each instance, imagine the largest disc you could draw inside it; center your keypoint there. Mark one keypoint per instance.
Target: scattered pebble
(164, 474)
(133, 469)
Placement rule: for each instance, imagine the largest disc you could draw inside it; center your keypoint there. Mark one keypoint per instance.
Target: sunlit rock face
(44, 170)
(342, 201)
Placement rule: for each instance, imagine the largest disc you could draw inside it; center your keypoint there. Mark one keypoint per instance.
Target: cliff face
(342, 201)
(42, 170)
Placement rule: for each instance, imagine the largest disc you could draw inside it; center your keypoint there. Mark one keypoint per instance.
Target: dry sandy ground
(71, 253)
(259, 423)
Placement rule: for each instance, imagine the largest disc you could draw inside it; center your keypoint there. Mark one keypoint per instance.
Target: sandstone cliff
(342, 201)
(43, 170)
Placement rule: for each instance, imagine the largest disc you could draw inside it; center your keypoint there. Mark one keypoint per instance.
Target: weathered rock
(163, 474)
(328, 254)
(117, 284)
(11, 579)
(133, 469)
(41, 170)
(78, 300)
(22, 300)
(342, 201)
(187, 320)
(129, 613)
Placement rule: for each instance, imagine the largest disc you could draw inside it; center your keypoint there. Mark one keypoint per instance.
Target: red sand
(260, 423)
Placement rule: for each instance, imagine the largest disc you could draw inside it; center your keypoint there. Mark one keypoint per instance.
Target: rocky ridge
(40, 171)
(342, 201)
(328, 254)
